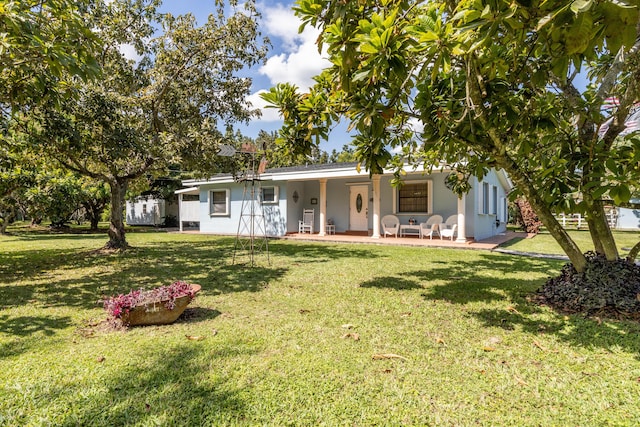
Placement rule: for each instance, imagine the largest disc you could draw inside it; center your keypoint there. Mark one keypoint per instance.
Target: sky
(293, 57)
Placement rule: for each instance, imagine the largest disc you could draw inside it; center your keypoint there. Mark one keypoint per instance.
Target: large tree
(480, 84)
(161, 110)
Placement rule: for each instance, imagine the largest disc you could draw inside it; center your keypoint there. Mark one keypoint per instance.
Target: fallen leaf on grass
(347, 326)
(304, 311)
(440, 341)
(381, 356)
(407, 314)
(512, 309)
(100, 359)
(194, 337)
(487, 348)
(543, 348)
(520, 380)
(214, 332)
(353, 335)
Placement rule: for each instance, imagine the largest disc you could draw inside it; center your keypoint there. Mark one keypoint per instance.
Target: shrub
(526, 217)
(604, 285)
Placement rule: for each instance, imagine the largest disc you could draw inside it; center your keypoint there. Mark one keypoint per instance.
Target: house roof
(316, 171)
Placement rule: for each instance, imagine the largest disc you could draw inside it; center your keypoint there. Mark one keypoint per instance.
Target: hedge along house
(351, 201)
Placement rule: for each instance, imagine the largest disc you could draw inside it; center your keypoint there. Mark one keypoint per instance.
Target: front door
(359, 208)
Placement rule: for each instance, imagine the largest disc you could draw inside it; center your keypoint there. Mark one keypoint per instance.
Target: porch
(485, 244)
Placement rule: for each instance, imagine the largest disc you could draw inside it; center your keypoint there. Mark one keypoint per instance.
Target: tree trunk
(545, 215)
(116, 224)
(601, 235)
(633, 253)
(94, 220)
(5, 222)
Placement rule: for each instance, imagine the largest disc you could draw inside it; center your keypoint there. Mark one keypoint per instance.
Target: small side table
(409, 229)
(330, 228)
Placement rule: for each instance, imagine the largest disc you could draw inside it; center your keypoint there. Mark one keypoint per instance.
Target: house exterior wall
(145, 211)
(274, 214)
(490, 215)
(628, 219)
(282, 217)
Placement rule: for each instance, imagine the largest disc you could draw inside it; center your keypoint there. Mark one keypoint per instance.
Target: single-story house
(345, 200)
(149, 210)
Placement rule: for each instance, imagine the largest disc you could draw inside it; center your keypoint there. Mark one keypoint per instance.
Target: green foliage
(164, 110)
(476, 85)
(607, 287)
(44, 46)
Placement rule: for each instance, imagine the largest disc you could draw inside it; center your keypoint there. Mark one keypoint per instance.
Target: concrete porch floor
(486, 244)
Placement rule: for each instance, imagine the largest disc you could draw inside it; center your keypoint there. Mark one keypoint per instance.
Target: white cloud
(299, 59)
(129, 52)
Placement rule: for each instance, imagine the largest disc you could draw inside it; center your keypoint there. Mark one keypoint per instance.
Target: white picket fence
(578, 222)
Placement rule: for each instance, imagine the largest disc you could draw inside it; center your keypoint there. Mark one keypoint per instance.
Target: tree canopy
(479, 84)
(142, 116)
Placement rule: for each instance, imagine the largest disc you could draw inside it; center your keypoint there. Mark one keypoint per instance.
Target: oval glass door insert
(359, 203)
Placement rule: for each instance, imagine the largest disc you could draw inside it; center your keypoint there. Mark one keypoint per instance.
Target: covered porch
(485, 244)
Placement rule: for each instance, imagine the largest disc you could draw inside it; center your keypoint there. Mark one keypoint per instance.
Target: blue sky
(293, 58)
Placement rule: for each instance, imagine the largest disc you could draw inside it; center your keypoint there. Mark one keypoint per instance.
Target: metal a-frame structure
(251, 238)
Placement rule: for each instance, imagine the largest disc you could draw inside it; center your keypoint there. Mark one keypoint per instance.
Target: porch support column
(376, 207)
(180, 211)
(462, 229)
(323, 207)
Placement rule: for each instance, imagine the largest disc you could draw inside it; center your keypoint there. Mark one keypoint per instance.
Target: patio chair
(431, 226)
(449, 228)
(390, 225)
(306, 224)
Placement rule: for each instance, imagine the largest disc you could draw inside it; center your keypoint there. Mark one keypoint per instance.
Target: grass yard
(545, 244)
(327, 334)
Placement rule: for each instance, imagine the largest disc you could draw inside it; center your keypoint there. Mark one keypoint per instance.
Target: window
(269, 195)
(484, 198)
(219, 202)
(144, 209)
(414, 197)
(494, 200)
(190, 197)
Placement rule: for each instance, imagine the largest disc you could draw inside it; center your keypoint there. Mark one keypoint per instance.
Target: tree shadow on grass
(206, 262)
(25, 331)
(180, 385)
(489, 280)
(392, 282)
(589, 333)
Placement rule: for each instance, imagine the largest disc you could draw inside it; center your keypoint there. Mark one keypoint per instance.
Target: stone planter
(158, 313)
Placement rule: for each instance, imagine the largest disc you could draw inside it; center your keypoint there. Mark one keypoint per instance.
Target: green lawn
(293, 343)
(545, 244)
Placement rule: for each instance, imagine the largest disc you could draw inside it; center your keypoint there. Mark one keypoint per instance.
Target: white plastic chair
(431, 226)
(449, 228)
(306, 224)
(390, 225)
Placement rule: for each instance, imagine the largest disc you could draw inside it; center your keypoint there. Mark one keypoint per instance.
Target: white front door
(359, 208)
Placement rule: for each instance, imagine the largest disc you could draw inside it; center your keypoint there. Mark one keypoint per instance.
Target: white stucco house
(350, 201)
(147, 210)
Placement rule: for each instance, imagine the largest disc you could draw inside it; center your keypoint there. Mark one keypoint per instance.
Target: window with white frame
(485, 194)
(270, 195)
(494, 200)
(414, 197)
(219, 202)
(504, 210)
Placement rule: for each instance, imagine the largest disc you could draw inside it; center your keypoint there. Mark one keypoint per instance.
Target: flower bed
(156, 306)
